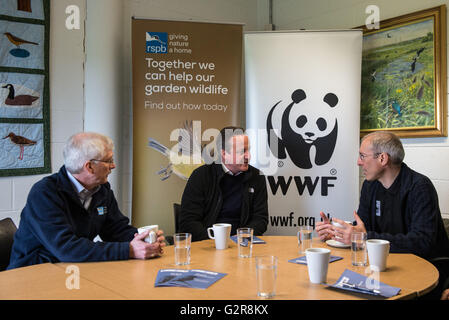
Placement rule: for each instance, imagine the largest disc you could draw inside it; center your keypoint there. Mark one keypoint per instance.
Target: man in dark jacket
(396, 203)
(231, 191)
(67, 210)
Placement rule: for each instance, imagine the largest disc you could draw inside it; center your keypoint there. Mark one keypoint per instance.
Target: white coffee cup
(317, 264)
(152, 236)
(222, 232)
(378, 251)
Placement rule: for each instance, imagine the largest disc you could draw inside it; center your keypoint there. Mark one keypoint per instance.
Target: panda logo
(305, 136)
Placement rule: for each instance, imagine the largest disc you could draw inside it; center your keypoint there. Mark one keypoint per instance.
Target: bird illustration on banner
(153, 38)
(20, 141)
(18, 100)
(19, 52)
(189, 155)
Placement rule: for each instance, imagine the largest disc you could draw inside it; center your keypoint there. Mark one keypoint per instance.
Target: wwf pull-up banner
(303, 117)
(186, 87)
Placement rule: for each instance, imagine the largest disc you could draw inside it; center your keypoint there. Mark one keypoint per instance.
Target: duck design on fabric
(19, 100)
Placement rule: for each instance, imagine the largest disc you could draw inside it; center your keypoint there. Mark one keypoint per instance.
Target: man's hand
(445, 295)
(324, 228)
(139, 249)
(343, 234)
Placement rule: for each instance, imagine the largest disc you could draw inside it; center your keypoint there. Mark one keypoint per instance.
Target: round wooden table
(134, 279)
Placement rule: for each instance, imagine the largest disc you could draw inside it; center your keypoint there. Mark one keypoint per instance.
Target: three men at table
(231, 192)
(67, 210)
(396, 203)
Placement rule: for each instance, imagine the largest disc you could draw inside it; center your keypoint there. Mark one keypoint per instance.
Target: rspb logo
(156, 42)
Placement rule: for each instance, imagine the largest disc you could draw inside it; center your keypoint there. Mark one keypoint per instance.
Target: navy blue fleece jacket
(55, 227)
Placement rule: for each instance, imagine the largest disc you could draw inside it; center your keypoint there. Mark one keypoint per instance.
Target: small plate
(337, 244)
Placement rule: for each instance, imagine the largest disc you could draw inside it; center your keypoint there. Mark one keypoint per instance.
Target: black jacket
(202, 201)
(423, 229)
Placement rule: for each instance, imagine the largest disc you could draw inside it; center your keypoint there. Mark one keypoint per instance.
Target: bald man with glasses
(396, 203)
(65, 211)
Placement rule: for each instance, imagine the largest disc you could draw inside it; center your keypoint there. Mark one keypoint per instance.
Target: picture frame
(404, 85)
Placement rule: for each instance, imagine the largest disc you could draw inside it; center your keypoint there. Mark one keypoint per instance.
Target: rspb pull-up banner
(303, 117)
(186, 87)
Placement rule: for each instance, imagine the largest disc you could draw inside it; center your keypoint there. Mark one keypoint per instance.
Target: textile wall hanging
(24, 87)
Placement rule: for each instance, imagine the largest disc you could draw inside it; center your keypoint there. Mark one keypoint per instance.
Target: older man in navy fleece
(67, 210)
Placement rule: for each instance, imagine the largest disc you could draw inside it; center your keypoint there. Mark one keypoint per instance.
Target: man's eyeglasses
(362, 156)
(105, 161)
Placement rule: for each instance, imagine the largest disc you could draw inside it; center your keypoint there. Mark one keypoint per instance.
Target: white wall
(104, 77)
(429, 156)
(66, 101)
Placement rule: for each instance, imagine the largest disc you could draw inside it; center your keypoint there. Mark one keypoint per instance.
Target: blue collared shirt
(84, 195)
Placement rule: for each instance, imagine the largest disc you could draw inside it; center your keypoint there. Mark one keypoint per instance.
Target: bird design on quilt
(20, 141)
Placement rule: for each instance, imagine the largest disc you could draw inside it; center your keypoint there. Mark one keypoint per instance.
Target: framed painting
(404, 87)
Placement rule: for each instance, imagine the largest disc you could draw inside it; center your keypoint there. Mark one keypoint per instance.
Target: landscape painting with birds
(398, 77)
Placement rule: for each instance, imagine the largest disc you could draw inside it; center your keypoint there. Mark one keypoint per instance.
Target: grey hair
(388, 142)
(84, 146)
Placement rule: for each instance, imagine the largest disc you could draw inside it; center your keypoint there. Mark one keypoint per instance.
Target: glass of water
(245, 242)
(305, 238)
(358, 249)
(266, 274)
(182, 242)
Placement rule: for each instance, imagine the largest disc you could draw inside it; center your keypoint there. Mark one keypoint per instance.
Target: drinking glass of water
(182, 242)
(245, 242)
(305, 238)
(358, 249)
(266, 274)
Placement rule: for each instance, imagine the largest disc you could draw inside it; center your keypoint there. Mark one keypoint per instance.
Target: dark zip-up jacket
(55, 226)
(423, 229)
(202, 200)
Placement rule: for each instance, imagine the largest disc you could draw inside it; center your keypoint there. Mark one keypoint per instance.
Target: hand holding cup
(140, 249)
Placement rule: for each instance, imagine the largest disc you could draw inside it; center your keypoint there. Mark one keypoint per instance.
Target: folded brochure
(355, 282)
(199, 279)
(303, 260)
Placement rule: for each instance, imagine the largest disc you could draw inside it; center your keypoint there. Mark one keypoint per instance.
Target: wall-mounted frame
(404, 87)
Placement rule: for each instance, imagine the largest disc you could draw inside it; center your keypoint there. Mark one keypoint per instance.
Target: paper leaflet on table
(303, 260)
(200, 279)
(355, 282)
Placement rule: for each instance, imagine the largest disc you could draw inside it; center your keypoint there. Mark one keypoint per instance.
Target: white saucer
(337, 244)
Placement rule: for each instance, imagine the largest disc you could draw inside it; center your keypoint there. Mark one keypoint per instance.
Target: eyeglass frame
(104, 161)
(362, 156)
